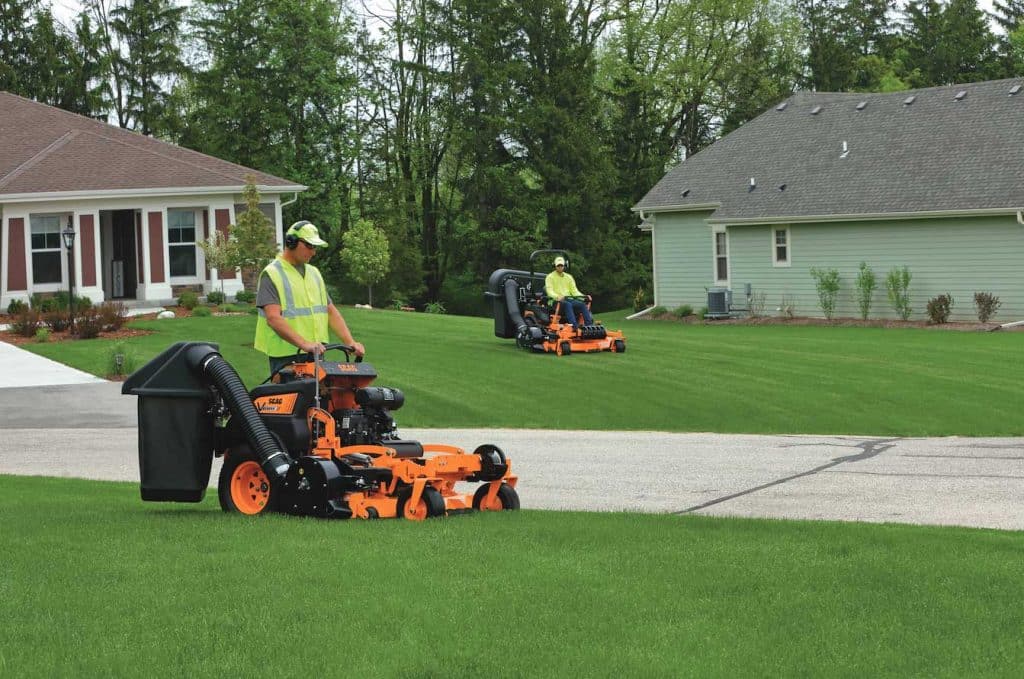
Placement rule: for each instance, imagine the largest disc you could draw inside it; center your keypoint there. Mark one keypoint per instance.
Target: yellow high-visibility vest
(303, 306)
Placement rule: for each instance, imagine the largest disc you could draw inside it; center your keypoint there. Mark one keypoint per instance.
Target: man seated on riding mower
(561, 288)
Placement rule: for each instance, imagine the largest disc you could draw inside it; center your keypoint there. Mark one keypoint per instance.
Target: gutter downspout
(289, 202)
(1020, 217)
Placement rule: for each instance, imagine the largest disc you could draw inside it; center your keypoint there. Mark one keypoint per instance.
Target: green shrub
(16, 307)
(641, 299)
(88, 323)
(202, 312)
(59, 302)
(26, 322)
(50, 304)
(215, 297)
(42, 335)
(897, 285)
(434, 308)
(121, 360)
(35, 300)
(56, 320)
(113, 315)
(246, 296)
(987, 304)
(188, 300)
(866, 284)
(826, 281)
(253, 310)
(939, 308)
(683, 311)
(657, 311)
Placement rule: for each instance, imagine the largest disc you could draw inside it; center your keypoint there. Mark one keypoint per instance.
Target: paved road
(88, 431)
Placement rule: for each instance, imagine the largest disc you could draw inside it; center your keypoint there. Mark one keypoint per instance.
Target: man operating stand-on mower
(295, 311)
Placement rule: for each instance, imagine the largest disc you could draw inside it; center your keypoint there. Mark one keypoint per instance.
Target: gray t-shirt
(267, 292)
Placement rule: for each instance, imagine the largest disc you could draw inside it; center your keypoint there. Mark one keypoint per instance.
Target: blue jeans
(568, 308)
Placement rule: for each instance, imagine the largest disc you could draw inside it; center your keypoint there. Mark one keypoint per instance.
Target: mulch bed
(835, 322)
(66, 336)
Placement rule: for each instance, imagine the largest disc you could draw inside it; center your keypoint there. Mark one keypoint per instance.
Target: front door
(122, 265)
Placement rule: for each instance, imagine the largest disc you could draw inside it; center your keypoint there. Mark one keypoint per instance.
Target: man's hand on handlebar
(312, 348)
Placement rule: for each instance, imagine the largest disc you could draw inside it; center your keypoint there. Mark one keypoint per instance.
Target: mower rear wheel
(431, 504)
(507, 498)
(243, 486)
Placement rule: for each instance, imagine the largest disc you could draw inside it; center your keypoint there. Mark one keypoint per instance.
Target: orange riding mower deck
(314, 440)
(522, 311)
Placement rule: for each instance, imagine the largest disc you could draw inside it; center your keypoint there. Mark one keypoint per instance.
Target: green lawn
(96, 583)
(722, 378)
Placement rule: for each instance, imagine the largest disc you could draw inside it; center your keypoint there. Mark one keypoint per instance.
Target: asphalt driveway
(89, 430)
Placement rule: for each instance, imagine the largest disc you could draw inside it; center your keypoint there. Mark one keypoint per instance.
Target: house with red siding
(138, 207)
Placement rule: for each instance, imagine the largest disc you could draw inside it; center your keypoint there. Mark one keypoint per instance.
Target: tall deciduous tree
(15, 42)
(1008, 14)
(272, 83)
(830, 61)
(149, 57)
(972, 44)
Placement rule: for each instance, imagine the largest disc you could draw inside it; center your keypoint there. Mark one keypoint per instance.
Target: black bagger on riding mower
(522, 311)
(314, 440)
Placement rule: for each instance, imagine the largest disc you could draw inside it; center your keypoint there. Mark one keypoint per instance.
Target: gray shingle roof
(935, 154)
(44, 149)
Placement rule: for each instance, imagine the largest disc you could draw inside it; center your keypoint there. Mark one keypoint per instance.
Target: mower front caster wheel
(431, 504)
(620, 347)
(507, 498)
(564, 349)
(243, 486)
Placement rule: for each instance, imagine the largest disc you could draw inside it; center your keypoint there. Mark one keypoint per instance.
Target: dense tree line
(474, 131)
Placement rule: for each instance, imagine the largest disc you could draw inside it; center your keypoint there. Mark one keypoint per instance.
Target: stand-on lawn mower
(314, 440)
(521, 310)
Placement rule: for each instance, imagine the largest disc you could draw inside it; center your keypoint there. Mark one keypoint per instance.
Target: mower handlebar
(347, 348)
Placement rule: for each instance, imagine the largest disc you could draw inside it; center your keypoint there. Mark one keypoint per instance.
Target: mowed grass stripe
(673, 377)
(96, 582)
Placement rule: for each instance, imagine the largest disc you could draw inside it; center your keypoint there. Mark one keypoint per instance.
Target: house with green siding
(930, 179)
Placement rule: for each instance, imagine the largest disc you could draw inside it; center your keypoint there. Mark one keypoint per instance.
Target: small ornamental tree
(220, 253)
(897, 284)
(866, 284)
(827, 283)
(253, 237)
(366, 254)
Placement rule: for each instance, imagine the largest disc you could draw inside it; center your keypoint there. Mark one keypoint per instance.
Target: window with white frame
(181, 242)
(721, 256)
(46, 249)
(780, 246)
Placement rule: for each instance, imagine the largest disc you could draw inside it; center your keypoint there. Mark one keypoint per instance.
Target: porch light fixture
(68, 234)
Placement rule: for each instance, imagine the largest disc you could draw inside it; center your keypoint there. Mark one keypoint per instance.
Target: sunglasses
(311, 247)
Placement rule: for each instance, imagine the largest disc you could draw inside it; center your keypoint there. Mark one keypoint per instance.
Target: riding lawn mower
(522, 311)
(315, 439)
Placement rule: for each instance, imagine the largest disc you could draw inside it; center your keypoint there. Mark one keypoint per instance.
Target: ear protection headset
(291, 240)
